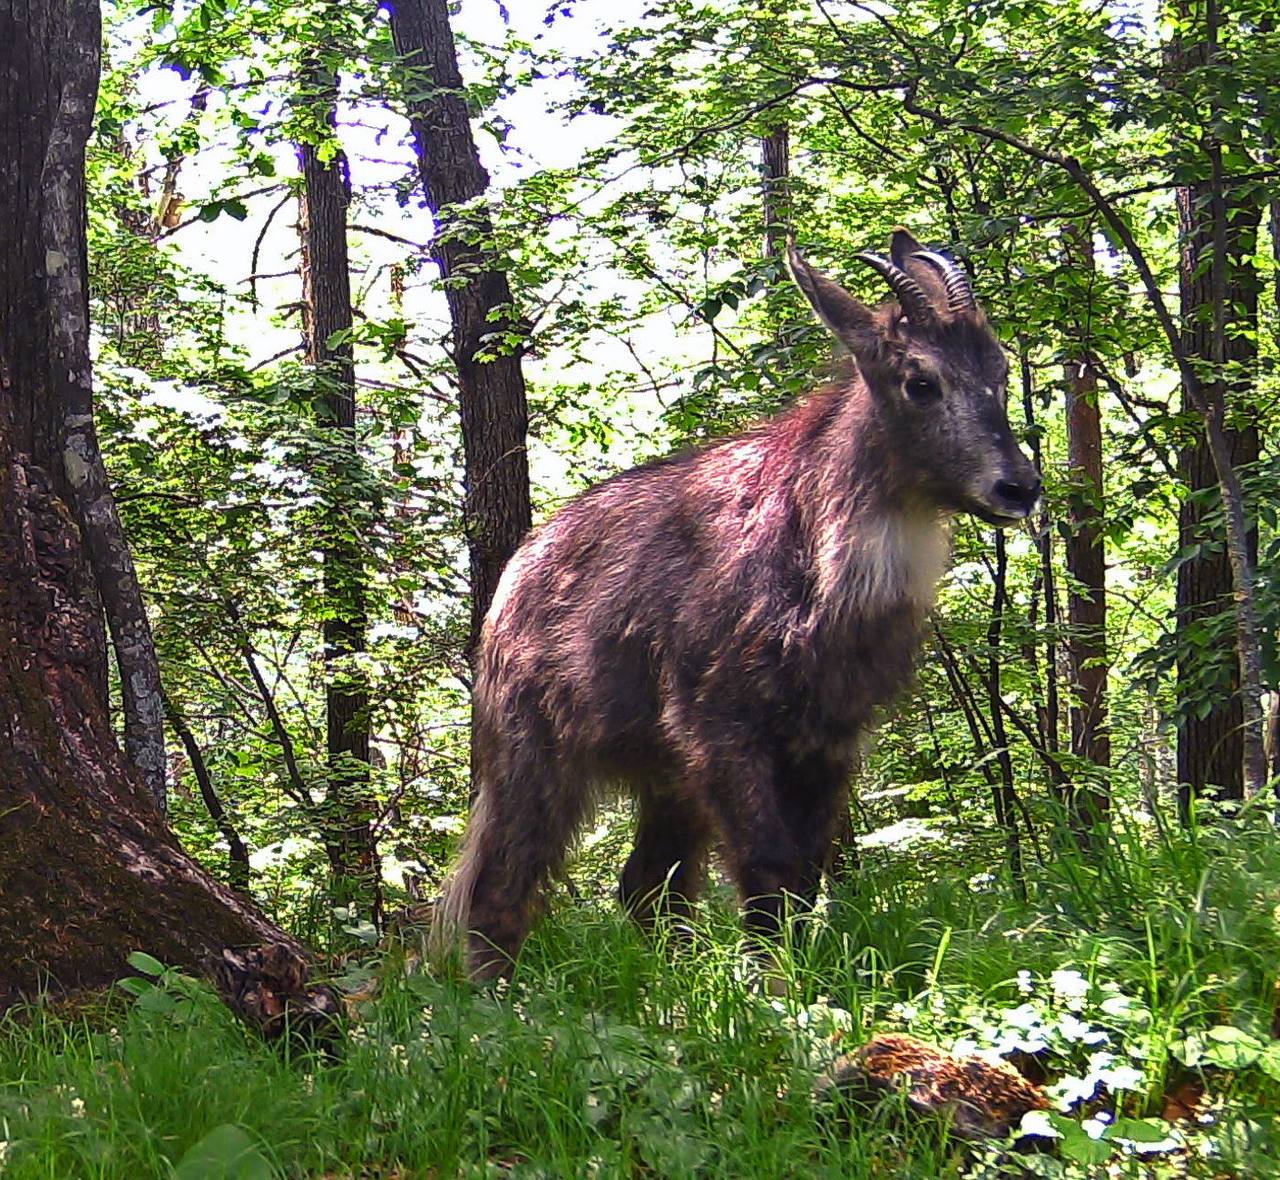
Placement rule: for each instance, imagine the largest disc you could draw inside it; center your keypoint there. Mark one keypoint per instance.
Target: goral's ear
(847, 318)
(902, 247)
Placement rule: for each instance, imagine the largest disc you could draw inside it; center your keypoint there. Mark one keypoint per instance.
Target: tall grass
(612, 1055)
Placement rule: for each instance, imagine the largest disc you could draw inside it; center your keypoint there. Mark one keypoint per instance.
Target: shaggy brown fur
(714, 630)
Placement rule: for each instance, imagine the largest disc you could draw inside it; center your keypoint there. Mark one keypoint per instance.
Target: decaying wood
(978, 1100)
(266, 986)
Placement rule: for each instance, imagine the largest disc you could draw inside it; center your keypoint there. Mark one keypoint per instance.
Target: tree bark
(1221, 752)
(327, 321)
(487, 337)
(1211, 747)
(1047, 714)
(63, 213)
(775, 170)
(1086, 553)
(88, 872)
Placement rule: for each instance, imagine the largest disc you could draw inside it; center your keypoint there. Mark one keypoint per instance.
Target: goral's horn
(910, 294)
(960, 299)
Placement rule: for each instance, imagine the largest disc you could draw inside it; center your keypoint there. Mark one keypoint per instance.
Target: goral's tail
(452, 920)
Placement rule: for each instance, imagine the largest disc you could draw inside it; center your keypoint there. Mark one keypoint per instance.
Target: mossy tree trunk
(328, 318)
(487, 336)
(88, 870)
(1086, 549)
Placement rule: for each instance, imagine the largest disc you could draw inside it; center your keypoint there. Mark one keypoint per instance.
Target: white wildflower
(1037, 1122)
(1096, 1126)
(1070, 987)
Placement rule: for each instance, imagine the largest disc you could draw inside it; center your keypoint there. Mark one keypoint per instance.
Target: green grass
(609, 1056)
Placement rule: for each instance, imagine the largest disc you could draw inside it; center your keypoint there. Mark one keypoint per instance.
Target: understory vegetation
(1138, 983)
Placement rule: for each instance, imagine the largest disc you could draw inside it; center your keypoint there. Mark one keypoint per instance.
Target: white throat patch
(883, 562)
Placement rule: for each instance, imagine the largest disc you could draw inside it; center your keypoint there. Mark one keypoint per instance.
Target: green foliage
(608, 1054)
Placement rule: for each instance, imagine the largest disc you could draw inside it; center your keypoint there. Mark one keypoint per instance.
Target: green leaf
(141, 961)
(1139, 1130)
(225, 1153)
(1077, 1144)
(1085, 1150)
(158, 1001)
(1230, 1048)
(1269, 1060)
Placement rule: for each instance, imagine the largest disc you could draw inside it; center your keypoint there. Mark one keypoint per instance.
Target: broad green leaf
(1139, 1130)
(1269, 1060)
(1230, 1048)
(141, 961)
(225, 1153)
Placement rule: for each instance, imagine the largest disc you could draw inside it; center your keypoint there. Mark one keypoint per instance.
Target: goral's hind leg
(665, 870)
(526, 812)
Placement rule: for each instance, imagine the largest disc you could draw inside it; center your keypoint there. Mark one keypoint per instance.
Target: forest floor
(1140, 982)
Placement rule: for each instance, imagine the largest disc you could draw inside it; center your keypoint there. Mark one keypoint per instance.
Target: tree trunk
(1086, 555)
(87, 870)
(239, 869)
(1211, 747)
(775, 172)
(327, 319)
(487, 337)
(1048, 713)
(1220, 753)
(66, 375)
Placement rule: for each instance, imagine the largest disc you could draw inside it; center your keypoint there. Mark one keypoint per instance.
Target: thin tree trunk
(775, 170)
(327, 318)
(1211, 748)
(1086, 554)
(63, 214)
(487, 337)
(238, 868)
(88, 872)
(1006, 795)
(279, 731)
(1050, 713)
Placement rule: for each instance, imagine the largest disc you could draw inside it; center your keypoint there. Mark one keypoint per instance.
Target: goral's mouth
(995, 516)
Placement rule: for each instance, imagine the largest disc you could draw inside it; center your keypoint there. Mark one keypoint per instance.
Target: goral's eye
(922, 389)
